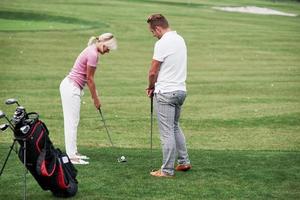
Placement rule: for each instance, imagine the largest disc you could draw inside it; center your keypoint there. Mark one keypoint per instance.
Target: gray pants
(168, 107)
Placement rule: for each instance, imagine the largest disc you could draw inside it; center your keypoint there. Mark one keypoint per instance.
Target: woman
(71, 90)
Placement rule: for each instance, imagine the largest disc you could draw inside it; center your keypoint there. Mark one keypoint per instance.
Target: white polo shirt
(171, 51)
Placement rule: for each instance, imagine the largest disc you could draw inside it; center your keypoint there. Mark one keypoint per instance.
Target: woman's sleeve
(92, 60)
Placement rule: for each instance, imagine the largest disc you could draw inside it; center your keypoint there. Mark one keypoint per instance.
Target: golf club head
(25, 129)
(20, 109)
(2, 114)
(11, 101)
(3, 127)
(19, 115)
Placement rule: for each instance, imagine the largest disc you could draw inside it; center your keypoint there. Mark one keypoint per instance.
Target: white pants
(70, 98)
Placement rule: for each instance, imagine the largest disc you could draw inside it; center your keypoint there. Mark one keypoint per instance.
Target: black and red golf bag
(51, 168)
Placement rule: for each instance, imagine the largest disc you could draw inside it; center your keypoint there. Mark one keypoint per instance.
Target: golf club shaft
(105, 127)
(151, 133)
(151, 129)
(11, 128)
(11, 125)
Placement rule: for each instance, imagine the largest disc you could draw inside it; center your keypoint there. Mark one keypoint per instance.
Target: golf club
(11, 101)
(19, 114)
(122, 158)
(25, 129)
(151, 131)
(2, 114)
(3, 127)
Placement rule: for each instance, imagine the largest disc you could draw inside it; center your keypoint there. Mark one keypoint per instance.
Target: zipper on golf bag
(46, 162)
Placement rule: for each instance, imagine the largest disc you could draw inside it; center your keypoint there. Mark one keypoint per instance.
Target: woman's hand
(97, 103)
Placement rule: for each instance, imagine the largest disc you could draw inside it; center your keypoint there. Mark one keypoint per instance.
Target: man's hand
(150, 92)
(152, 77)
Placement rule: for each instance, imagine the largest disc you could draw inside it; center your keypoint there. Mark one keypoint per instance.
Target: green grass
(241, 117)
(215, 175)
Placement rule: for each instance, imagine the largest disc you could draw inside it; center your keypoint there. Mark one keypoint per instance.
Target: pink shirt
(88, 57)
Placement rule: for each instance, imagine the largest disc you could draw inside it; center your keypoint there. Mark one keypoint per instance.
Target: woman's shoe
(78, 155)
(78, 161)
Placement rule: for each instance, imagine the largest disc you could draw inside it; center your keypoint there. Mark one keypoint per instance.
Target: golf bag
(51, 168)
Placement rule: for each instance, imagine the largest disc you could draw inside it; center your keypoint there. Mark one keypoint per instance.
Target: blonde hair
(107, 39)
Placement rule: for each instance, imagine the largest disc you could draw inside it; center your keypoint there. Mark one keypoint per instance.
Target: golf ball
(122, 157)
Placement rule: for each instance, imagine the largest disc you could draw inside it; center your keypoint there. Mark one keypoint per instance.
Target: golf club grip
(151, 104)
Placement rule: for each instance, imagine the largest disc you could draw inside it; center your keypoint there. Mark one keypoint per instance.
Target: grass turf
(241, 117)
(215, 175)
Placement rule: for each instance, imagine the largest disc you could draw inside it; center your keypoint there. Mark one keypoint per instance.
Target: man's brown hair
(157, 20)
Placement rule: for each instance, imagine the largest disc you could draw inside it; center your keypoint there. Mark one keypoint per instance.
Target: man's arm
(152, 76)
(92, 87)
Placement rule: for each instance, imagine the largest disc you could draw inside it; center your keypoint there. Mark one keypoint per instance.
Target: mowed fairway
(241, 117)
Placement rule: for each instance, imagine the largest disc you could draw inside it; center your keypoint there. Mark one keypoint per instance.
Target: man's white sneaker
(78, 161)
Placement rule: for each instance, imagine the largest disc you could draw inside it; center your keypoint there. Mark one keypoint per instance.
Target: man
(167, 77)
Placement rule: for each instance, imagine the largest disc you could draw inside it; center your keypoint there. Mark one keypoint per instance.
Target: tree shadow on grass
(42, 17)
